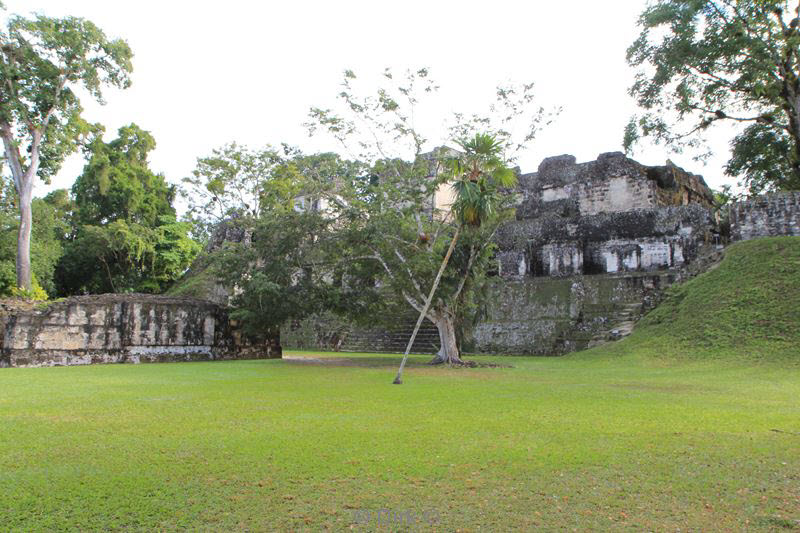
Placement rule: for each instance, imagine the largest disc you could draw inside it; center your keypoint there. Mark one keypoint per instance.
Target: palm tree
(479, 174)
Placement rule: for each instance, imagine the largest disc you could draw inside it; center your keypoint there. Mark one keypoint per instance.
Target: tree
(43, 61)
(124, 222)
(388, 220)
(52, 214)
(117, 184)
(279, 274)
(231, 182)
(277, 265)
(479, 174)
(704, 62)
(378, 231)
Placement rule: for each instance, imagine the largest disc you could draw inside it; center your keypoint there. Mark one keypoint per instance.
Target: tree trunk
(23, 181)
(794, 123)
(24, 238)
(449, 352)
(793, 110)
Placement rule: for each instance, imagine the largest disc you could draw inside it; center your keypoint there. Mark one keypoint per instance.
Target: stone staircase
(332, 334)
(621, 325)
(394, 341)
(624, 318)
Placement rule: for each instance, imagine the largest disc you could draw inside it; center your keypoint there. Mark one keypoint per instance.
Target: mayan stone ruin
(591, 249)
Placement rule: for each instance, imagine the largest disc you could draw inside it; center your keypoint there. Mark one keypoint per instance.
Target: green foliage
(236, 181)
(37, 293)
(126, 257)
(51, 215)
(43, 62)
(281, 273)
(117, 184)
(760, 154)
(702, 62)
(480, 175)
(126, 236)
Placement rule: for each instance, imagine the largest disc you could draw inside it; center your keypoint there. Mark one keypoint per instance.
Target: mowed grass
(577, 442)
(692, 423)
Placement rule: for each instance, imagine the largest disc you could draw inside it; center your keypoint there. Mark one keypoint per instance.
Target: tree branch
(12, 154)
(410, 274)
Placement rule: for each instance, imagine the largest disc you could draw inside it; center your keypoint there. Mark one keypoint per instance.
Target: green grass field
(284, 445)
(678, 427)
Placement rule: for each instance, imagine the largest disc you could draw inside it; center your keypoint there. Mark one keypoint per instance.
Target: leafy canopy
(126, 235)
(232, 182)
(43, 61)
(705, 62)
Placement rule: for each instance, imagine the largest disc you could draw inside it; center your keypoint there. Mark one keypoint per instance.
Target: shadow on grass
(366, 362)
(419, 361)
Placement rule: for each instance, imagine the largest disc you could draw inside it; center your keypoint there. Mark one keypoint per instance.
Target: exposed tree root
(466, 364)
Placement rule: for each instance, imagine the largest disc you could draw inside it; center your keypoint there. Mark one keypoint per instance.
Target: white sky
(207, 73)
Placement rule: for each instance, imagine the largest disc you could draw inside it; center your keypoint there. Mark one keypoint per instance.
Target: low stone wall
(770, 215)
(130, 328)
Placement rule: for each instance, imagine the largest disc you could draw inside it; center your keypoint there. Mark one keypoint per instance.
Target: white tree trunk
(23, 180)
(448, 353)
(24, 239)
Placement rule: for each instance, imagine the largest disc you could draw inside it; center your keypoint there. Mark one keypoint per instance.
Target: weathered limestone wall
(771, 215)
(611, 184)
(553, 316)
(124, 328)
(606, 216)
(639, 240)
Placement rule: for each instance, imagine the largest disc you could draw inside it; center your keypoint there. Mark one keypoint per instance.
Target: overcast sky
(207, 73)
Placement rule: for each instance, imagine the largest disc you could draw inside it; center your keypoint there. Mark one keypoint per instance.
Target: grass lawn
(588, 441)
(692, 423)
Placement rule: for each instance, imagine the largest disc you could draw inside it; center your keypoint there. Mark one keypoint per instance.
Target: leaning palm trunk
(399, 379)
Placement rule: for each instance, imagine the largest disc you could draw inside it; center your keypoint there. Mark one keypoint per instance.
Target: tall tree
(43, 61)
(52, 214)
(126, 236)
(705, 62)
(392, 221)
(479, 174)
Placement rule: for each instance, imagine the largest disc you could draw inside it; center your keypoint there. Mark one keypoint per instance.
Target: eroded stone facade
(124, 329)
(592, 247)
(771, 215)
(606, 216)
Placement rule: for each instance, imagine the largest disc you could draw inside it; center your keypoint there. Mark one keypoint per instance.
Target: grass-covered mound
(748, 306)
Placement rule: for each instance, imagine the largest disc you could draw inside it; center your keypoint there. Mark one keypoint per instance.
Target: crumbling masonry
(592, 247)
